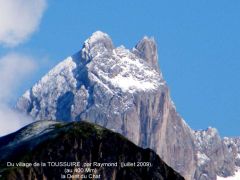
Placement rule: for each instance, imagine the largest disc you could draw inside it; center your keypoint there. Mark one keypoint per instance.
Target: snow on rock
(235, 177)
(233, 146)
(27, 95)
(98, 43)
(220, 160)
(96, 37)
(55, 83)
(59, 78)
(202, 158)
(205, 138)
(125, 71)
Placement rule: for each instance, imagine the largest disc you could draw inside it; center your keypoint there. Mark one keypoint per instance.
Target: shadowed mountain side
(77, 142)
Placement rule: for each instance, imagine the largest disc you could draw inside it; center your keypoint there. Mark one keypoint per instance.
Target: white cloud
(19, 19)
(14, 69)
(10, 120)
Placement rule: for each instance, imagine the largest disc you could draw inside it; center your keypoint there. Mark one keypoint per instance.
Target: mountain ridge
(76, 142)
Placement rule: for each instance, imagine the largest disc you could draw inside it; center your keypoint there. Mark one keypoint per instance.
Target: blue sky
(198, 44)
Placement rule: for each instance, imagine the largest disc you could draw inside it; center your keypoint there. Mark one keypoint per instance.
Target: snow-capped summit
(99, 37)
(98, 42)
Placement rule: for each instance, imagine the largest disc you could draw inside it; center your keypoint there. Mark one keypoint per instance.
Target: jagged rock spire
(147, 50)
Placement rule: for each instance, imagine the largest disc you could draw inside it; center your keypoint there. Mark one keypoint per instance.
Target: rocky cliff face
(233, 147)
(124, 90)
(214, 155)
(77, 142)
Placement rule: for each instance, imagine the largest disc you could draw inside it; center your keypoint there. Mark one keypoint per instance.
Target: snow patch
(27, 95)
(66, 66)
(125, 71)
(98, 35)
(234, 177)
(202, 158)
(131, 83)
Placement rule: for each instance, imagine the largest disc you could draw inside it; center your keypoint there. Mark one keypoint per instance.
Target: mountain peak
(98, 41)
(115, 88)
(97, 37)
(147, 50)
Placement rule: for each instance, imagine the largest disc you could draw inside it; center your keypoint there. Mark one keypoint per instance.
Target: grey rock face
(119, 89)
(147, 49)
(215, 156)
(233, 147)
